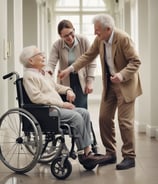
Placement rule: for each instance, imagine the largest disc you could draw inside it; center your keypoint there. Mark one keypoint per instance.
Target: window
(81, 13)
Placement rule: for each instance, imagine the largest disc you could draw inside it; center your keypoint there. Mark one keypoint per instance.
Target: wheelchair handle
(9, 75)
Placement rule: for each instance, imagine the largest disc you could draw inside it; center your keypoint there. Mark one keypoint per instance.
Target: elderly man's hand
(64, 73)
(89, 87)
(68, 105)
(116, 78)
(70, 96)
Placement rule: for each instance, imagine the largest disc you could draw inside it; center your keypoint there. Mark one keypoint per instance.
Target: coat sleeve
(131, 59)
(91, 67)
(87, 58)
(54, 56)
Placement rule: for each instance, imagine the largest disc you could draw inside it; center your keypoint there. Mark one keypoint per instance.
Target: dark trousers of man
(115, 100)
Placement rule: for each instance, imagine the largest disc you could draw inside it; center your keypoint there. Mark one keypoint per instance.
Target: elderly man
(41, 89)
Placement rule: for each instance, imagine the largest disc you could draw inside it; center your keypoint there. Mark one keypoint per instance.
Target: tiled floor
(145, 172)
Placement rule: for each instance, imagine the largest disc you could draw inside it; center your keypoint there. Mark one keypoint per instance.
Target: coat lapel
(114, 45)
(102, 56)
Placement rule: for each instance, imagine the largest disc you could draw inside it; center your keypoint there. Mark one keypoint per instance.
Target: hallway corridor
(145, 172)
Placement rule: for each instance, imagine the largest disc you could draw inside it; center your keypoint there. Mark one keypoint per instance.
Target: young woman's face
(68, 35)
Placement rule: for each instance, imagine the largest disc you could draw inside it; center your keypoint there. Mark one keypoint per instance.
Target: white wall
(144, 100)
(30, 23)
(144, 31)
(152, 126)
(3, 55)
(10, 46)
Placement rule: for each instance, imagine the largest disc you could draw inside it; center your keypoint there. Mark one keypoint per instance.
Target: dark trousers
(81, 98)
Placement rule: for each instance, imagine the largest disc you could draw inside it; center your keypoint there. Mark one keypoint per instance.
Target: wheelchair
(33, 133)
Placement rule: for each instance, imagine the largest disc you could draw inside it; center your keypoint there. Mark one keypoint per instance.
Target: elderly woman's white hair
(26, 54)
(105, 19)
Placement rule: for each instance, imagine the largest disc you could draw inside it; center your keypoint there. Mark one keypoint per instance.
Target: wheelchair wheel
(19, 133)
(61, 169)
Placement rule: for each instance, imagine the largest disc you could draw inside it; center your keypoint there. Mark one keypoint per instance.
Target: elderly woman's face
(38, 59)
(68, 34)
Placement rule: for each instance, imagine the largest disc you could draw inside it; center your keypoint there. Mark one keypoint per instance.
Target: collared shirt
(109, 58)
(42, 71)
(71, 53)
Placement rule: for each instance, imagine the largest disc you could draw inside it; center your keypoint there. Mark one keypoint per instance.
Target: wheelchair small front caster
(61, 169)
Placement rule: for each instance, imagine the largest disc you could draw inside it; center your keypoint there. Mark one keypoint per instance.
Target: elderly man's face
(102, 33)
(37, 60)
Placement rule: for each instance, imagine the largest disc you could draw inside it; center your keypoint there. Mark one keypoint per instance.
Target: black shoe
(108, 159)
(126, 164)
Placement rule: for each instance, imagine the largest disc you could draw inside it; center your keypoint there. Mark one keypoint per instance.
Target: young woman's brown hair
(64, 24)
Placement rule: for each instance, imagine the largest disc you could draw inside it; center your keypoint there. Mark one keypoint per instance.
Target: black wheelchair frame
(29, 135)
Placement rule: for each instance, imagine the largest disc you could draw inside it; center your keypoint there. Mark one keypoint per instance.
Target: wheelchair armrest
(49, 109)
(37, 106)
(66, 129)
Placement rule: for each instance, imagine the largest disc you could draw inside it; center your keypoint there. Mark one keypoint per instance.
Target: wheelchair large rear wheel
(19, 133)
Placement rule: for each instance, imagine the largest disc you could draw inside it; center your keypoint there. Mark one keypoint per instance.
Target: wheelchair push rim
(17, 139)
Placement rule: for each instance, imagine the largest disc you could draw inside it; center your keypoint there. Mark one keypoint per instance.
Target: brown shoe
(108, 159)
(91, 159)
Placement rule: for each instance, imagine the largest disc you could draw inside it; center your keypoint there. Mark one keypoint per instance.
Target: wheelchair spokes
(31, 134)
(15, 144)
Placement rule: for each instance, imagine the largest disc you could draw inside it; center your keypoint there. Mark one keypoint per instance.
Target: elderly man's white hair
(26, 54)
(105, 19)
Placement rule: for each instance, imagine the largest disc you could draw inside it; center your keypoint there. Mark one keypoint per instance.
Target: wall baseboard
(140, 128)
(151, 131)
